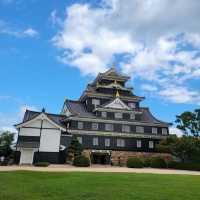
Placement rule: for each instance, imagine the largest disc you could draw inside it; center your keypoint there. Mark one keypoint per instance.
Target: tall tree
(189, 123)
(6, 139)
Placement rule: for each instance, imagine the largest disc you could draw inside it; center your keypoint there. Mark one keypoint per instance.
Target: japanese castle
(107, 120)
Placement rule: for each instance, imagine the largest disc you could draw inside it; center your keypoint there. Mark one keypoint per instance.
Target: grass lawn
(97, 186)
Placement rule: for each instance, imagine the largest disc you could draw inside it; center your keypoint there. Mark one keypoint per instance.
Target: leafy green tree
(74, 149)
(189, 123)
(6, 139)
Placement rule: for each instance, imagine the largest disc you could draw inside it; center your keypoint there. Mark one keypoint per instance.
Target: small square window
(132, 116)
(109, 127)
(125, 128)
(139, 129)
(107, 142)
(118, 115)
(80, 139)
(154, 130)
(164, 131)
(95, 141)
(104, 114)
(139, 143)
(151, 145)
(80, 125)
(95, 126)
(120, 142)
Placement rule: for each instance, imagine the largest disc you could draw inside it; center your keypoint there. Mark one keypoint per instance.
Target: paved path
(69, 168)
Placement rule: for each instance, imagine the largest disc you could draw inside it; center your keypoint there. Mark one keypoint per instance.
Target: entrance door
(102, 159)
(26, 156)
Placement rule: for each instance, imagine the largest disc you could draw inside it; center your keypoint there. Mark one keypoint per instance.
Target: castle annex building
(107, 120)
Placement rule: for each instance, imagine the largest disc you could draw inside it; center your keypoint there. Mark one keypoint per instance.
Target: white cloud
(152, 47)
(176, 131)
(30, 32)
(149, 88)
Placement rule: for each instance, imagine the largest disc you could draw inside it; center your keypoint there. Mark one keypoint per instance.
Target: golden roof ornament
(117, 94)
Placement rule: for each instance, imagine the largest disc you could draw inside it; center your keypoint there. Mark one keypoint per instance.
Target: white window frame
(120, 143)
(104, 114)
(107, 142)
(126, 128)
(154, 130)
(151, 144)
(80, 139)
(95, 126)
(109, 127)
(118, 115)
(139, 143)
(95, 141)
(80, 125)
(164, 131)
(139, 129)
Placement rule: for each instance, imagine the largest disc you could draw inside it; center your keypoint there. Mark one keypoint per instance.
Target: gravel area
(96, 168)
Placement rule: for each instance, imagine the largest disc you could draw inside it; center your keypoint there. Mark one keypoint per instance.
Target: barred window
(104, 114)
(107, 142)
(139, 143)
(139, 129)
(120, 142)
(80, 125)
(95, 141)
(154, 130)
(95, 126)
(109, 127)
(164, 131)
(132, 116)
(118, 115)
(80, 139)
(125, 128)
(151, 145)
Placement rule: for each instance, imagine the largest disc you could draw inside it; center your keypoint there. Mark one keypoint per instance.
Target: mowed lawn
(97, 186)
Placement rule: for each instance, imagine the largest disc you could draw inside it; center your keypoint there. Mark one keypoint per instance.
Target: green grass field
(97, 186)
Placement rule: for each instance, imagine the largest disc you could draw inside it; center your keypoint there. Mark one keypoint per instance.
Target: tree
(74, 149)
(189, 123)
(6, 139)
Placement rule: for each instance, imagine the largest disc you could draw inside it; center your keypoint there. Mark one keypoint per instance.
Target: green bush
(135, 162)
(41, 164)
(158, 162)
(184, 166)
(81, 161)
(147, 162)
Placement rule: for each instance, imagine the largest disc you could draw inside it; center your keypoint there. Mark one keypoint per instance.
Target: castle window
(104, 114)
(94, 126)
(120, 142)
(125, 128)
(131, 105)
(95, 141)
(139, 143)
(109, 127)
(139, 129)
(118, 115)
(164, 131)
(151, 145)
(96, 102)
(107, 142)
(80, 125)
(154, 130)
(80, 140)
(132, 116)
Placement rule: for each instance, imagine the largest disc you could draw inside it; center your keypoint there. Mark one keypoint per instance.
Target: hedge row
(81, 161)
(159, 162)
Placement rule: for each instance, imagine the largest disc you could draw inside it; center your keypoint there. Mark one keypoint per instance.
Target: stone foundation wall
(121, 157)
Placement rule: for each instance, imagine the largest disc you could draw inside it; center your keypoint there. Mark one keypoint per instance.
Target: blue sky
(50, 50)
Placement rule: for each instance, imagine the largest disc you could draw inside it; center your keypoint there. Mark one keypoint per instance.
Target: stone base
(120, 158)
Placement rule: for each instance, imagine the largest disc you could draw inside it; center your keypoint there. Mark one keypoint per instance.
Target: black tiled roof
(28, 144)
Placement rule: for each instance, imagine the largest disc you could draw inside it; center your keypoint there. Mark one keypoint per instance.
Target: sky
(50, 50)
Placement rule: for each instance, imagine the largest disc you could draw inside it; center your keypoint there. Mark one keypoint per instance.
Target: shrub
(184, 166)
(158, 162)
(41, 164)
(81, 161)
(135, 162)
(147, 162)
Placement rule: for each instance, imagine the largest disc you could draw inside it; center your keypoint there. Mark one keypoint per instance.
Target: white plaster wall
(50, 140)
(29, 132)
(26, 156)
(47, 124)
